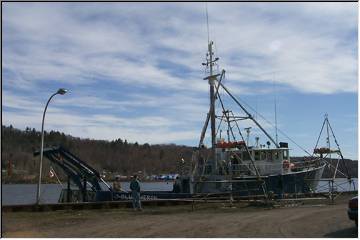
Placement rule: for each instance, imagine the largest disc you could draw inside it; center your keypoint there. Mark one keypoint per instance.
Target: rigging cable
(227, 118)
(317, 142)
(273, 126)
(347, 171)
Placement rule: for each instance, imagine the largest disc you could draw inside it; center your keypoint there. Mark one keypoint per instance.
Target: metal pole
(62, 92)
(295, 185)
(249, 115)
(330, 192)
(208, 115)
(212, 108)
(41, 150)
(276, 130)
(85, 191)
(353, 182)
(68, 190)
(332, 189)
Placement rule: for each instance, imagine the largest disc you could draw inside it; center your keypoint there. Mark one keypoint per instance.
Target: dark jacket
(135, 185)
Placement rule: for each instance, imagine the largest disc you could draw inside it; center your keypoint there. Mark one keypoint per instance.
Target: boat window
(276, 155)
(263, 155)
(257, 155)
(285, 154)
(246, 155)
(269, 156)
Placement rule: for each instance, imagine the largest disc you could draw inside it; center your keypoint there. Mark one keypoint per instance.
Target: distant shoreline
(55, 182)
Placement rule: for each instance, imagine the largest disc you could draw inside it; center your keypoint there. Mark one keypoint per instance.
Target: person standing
(117, 185)
(135, 191)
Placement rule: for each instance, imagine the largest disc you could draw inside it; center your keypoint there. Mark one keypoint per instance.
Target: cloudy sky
(134, 70)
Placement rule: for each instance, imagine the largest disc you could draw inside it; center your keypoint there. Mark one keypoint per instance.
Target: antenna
(207, 22)
(247, 135)
(275, 105)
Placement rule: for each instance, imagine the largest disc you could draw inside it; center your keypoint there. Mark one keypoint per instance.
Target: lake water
(14, 194)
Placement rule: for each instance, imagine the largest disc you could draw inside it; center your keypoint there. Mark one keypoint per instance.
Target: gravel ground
(207, 220)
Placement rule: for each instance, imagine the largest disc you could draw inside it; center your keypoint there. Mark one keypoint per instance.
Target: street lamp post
(61, 91)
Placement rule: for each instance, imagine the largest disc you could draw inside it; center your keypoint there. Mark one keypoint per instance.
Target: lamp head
(61, 91)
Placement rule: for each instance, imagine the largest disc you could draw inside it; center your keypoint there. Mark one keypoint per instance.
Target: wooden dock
(255, 200)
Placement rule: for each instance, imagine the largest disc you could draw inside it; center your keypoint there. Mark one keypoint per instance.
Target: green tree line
(117, 156)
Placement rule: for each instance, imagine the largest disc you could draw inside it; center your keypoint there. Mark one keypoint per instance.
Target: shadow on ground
(351, 232)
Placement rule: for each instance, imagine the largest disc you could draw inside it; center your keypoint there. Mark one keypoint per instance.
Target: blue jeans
(136, 199)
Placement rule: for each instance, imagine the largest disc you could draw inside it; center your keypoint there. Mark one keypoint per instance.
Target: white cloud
(71, 45)
(151, 129)
(138, 65)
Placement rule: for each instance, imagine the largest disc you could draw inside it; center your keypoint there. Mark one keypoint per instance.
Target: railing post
(332, 189)
(68, 190)
(84, 191)
(295, 186)
(329, 189)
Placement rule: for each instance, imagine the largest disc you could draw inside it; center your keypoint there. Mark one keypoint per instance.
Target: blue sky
(134, 71)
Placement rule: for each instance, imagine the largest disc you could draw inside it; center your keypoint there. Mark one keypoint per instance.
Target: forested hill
(117, 156)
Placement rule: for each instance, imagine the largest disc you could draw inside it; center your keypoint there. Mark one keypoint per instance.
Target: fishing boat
(231, 164)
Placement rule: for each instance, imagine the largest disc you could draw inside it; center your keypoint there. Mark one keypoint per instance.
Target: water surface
(13, 194)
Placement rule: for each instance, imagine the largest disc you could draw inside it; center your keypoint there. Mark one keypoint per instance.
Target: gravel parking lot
(207, 220)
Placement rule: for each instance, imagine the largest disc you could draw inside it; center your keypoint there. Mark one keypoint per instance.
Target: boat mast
(212, 78)
(212, 96)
